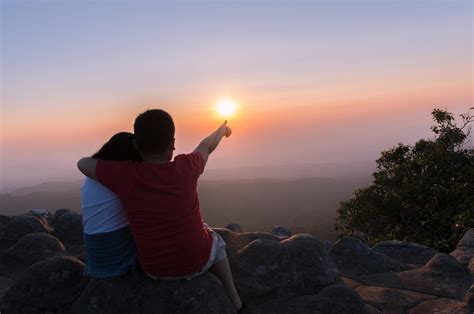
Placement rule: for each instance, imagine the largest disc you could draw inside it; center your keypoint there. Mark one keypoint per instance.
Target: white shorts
(217, 254)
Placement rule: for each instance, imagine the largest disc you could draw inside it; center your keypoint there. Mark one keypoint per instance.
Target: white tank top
(101, 209)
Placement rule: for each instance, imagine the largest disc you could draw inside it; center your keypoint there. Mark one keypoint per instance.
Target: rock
(273, 275)
(234, 227)
(328, 245)
(369, 309)
(58, 213)
(391, 300)
(339, 299)
(406, 252)
(236, 241)
(4, 221)
(33, 248)
(269, 269)
(353, 257)
(470, 268)
(140, 294)
(442, 276)
(69, 228)
(334, 299)
(469, 299)
(464, 251)
(42, 214)
(281, 231)
(351, 283)
(49, 286)
(441, 306)
(22, 225)
(80, 256)
(5, 283)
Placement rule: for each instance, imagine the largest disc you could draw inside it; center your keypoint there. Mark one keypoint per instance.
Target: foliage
(422, 193)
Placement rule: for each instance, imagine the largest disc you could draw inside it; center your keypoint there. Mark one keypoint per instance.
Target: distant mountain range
(303, 204)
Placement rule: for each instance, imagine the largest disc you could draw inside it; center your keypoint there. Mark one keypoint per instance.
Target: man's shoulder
(192, 161)
(189, 157)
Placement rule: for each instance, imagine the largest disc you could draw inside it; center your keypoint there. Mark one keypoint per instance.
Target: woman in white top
(110, 250)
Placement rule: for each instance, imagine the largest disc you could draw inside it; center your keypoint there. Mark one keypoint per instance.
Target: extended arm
(87, 166)
(209, 144)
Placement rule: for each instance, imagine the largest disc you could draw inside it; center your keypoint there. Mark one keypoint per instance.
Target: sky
(315, 81)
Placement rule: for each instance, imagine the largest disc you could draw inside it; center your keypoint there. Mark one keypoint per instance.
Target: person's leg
(222, 270)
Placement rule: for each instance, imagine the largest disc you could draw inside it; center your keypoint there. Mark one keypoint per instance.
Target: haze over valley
(257, 198)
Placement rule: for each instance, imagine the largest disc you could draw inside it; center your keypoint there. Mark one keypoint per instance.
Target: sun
(226, 107)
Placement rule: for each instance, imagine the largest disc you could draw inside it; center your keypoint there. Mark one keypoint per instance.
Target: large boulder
(4, 221)
(49, 286)
(235, 227)
(464, 251)
(353, 257)
(470, 268)
(268, 269)
(369, 309)
(5, 284)
(334, 299)
(281, 231)
(469, 299)
(20, 226)
(33, 248)
(139, 294)
(58, 213)
(406, 252)
(338, 300)
(391, 300)
(351, 283)
(42, 214)
(441, 305)
(69, 228)
(236, 241)
(328, 245)
(442, 276)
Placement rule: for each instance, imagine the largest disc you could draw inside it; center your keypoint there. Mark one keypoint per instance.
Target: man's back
(162, 205)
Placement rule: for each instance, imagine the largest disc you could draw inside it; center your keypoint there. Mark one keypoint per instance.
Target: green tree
(422, 193)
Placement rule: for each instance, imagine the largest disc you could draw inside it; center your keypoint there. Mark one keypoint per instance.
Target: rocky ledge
(41, 271)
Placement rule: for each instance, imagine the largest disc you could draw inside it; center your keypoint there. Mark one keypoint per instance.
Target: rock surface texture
(354, 257)
(33, 248)
(22, 225)
(275, 273)
(464, 251)
(51, 285)
(235, 227)
(406, 252)
(140, 294)
(281, 231)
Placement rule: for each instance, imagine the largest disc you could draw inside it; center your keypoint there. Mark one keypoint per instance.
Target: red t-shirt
(162, 205)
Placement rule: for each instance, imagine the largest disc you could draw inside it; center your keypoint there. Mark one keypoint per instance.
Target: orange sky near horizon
(309, 105)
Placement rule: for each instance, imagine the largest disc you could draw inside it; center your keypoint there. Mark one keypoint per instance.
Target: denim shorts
(217, 254)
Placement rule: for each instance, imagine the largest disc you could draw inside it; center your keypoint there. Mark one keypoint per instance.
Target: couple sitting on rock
(160, 220)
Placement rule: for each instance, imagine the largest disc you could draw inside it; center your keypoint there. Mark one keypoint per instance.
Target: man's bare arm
(209, 144)
(87, 166)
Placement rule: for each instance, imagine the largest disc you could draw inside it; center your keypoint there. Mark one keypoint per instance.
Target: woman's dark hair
(119, 147)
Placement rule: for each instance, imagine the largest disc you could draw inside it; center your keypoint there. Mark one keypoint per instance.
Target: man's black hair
(154, 131)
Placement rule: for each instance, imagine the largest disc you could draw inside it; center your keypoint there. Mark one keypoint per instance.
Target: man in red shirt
(162, 204)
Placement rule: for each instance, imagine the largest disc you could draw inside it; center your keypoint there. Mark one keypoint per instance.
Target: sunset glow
(226, 107)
